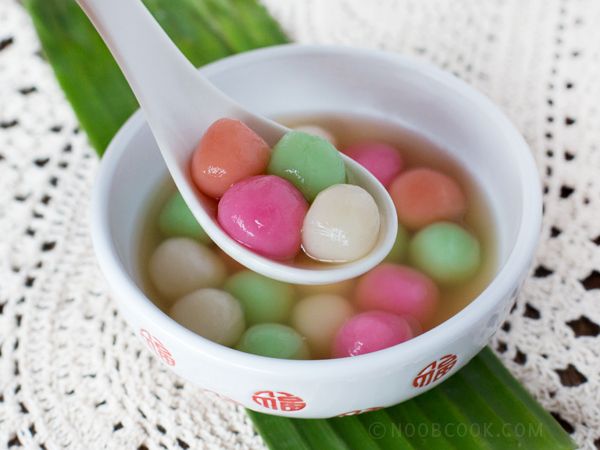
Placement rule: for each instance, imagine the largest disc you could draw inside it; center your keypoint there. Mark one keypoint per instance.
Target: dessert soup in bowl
(291, 80)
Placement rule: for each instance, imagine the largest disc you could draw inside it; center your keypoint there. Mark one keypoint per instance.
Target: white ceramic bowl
(296, 79)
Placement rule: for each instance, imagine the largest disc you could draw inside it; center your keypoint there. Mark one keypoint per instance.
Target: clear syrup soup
(347, 129)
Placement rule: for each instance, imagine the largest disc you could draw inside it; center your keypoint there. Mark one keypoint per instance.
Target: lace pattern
(72, 375)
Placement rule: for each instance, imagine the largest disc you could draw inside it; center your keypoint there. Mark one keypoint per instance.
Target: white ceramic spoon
(180, 104)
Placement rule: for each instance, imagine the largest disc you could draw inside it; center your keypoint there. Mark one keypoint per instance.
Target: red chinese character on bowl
(157, 347)
(282, 401)
(435, 370)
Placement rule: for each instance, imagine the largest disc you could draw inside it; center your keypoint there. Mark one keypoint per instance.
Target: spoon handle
(177, 101)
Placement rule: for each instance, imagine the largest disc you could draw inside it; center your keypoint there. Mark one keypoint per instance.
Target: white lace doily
(72, 375)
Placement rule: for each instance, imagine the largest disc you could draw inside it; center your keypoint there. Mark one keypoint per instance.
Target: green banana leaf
(204, 30)
(480, 407)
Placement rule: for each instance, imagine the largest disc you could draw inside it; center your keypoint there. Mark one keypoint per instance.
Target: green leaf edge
(204, 30)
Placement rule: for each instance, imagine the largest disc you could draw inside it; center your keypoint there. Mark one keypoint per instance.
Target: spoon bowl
(180, 104)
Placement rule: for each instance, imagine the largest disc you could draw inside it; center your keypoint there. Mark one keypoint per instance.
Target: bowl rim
(516, 264)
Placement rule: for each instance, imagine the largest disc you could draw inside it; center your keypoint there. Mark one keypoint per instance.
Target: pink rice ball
(264, 213)
(370, 331)
(399, 290)
(382, 160)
